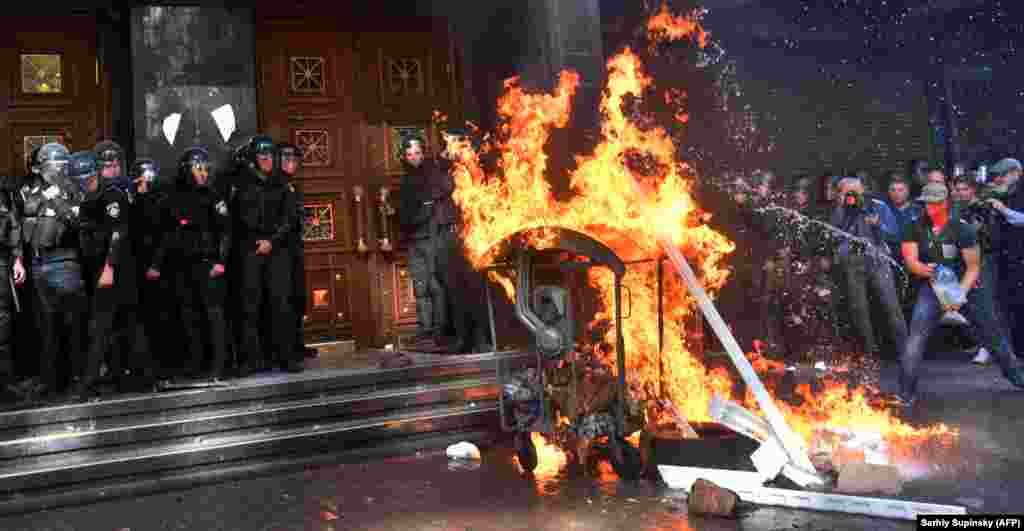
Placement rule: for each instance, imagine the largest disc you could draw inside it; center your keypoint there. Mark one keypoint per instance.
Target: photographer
(985, 220)
(866, 262)
(1007, 199)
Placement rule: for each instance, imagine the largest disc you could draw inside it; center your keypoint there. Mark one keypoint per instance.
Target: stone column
(569, 36)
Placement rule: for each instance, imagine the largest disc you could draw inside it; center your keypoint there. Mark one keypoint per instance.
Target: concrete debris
(710, 499)
(738, 419)
(864, 478)
(769, 459)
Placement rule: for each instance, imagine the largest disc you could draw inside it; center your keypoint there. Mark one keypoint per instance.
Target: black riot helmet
(51, 162)
(146, 169)
(108, 152)
(261, 144)
(289, 152)
(30, 160)
(83, 166)
(195, 158)
(260, 147)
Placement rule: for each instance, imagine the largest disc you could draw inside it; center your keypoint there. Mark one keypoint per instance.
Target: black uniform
(105, 239)
(159, 316)
(10, 250)
(296, 245)
(50, 237)
(27, 338)
(263, 209)
(462, 285)
(417, 191)
(196, 238)
(297, 250)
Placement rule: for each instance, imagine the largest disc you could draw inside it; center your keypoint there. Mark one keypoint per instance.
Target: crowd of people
(852, 271)
(106, 278)
(110, 275)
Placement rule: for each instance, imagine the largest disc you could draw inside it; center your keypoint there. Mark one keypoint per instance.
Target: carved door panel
(305, 80)
(51, 87)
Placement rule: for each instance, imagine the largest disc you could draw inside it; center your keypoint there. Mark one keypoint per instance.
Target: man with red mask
(942, 238)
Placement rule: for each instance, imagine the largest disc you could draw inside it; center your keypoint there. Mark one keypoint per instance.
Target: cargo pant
(431, 304)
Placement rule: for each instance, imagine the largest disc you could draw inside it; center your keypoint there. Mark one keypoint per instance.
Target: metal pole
(620, 349)
(661, 330)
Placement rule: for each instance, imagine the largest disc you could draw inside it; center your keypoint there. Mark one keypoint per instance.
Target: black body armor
(50, 212)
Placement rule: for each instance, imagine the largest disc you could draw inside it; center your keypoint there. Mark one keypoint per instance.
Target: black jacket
(48, 222)
(196, 225)
(10, 226)
(105, 237)
(263, 210)
(446, 211)
(416, 201)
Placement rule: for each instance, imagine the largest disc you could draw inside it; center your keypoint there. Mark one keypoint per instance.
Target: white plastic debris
(821, 366)
(170, 127)
(769, 458)
(389, 347)
(224, 117)
(463, 450)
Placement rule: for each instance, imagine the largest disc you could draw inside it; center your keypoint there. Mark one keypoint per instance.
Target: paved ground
(984, 471)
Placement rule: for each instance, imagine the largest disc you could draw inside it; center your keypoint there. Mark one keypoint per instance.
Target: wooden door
(345, 90)
(51, 87)
(304, 97)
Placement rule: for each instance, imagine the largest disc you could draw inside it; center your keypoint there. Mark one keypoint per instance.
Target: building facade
(345, 81)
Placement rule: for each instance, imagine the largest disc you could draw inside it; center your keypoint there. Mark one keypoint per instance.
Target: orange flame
(611, 208)
(664, 26)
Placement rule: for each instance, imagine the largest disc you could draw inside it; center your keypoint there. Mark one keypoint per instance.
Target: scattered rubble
(859, 460)
(865, 478)
(773, 430)
(708, 498)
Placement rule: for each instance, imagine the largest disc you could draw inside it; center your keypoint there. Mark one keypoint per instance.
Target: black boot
(908, 390)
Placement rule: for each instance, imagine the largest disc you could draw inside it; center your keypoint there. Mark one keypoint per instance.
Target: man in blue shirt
(942, 238)
(866, 262)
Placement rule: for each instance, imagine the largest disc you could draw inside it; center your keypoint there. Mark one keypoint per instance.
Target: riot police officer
(109, 268)
(462, 285)
(291, 162)
(12, 273)
(159, 320)
(416, 217)
(194, 250)
(263, 212)
(51, 207)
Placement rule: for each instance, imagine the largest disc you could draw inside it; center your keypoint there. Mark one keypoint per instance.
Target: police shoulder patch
(114, 209)
(221, 207)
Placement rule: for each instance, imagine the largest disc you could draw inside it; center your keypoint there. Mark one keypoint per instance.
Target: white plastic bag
(464, 450)
(947, 289)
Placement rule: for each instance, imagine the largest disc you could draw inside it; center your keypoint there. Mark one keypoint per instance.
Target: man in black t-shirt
(942, 238)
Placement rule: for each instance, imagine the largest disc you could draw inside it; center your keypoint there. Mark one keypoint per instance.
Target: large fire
(609, 206)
